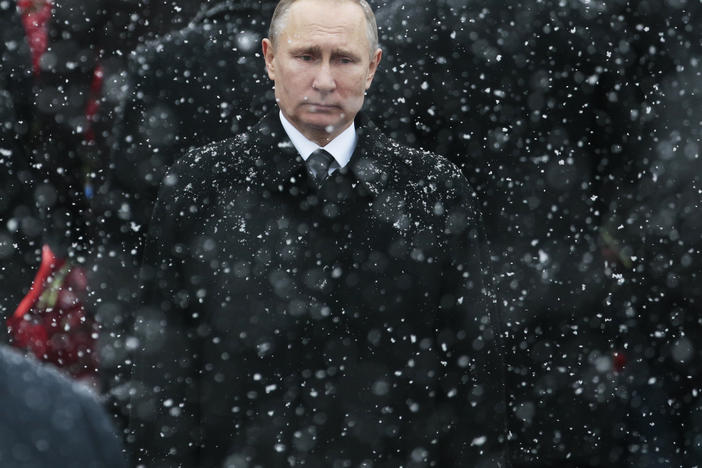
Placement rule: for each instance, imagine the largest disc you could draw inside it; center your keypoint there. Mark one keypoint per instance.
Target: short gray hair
(283, 8)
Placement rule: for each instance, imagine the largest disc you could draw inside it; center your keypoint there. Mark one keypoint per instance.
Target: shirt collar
(277, 162)
(341, 147)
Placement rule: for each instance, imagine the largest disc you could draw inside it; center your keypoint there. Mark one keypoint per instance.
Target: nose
(324, 80)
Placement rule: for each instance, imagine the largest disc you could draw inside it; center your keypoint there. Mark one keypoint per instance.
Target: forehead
(331, 22)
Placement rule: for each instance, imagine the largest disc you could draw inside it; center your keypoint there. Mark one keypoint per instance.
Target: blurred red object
(93, 105)
(35, 18)
(619, 361)
(51, 322)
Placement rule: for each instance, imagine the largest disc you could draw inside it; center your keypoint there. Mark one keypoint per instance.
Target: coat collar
(278, 162)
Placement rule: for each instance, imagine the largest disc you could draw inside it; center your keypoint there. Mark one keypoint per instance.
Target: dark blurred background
(577, 121)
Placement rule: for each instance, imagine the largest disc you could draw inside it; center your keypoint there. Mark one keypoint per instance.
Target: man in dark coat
(47, 421)
(579, 153)
(315, 292)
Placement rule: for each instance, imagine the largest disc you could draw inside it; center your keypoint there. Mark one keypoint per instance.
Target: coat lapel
(372, 163)
(275, 159)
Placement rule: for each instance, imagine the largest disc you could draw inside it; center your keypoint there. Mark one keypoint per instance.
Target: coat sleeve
(472, 385)
(163, 421)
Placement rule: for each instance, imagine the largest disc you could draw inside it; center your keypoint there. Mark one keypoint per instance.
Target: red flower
(51, 321)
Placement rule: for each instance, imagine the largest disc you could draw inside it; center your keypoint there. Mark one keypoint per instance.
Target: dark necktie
(318, 166)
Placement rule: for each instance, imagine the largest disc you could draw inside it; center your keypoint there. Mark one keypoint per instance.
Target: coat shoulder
(209, 165)
(428, 169)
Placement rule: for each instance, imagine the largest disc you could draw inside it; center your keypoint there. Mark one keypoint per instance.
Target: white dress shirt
(341, 147)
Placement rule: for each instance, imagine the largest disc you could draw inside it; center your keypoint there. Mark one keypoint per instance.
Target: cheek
(295, 79)
(354, 85)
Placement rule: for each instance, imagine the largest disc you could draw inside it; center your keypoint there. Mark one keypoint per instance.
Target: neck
(321, 136)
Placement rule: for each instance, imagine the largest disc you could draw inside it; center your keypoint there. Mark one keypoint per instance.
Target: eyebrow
(344, 53)
(315, 50)
(306, 50)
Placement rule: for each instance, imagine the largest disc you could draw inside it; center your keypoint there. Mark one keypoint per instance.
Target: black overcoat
(334, 327)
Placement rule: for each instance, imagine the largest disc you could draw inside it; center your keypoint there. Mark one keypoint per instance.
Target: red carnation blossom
(51, 321)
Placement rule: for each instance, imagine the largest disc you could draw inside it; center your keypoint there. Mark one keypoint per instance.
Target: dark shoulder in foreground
(47, 420)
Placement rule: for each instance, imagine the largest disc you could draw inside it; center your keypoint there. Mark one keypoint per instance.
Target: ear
(373, 66)
(268, 56)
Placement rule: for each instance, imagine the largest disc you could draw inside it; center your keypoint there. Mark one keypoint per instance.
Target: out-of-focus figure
(558, 113)
(20, 225)
(200, 84)
(51, 321)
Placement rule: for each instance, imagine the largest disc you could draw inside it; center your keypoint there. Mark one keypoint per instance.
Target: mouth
(317, 107)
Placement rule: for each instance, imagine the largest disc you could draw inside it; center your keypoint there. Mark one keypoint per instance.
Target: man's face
(321, 66)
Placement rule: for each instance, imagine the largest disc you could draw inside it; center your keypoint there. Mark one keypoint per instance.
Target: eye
(305, 57)
(345, 60)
